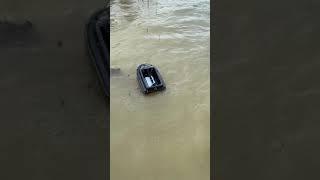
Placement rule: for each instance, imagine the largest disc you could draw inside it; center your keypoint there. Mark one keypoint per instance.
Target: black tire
(99, 47)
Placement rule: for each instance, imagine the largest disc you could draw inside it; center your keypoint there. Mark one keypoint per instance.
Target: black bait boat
(149, 79)
(97, 37)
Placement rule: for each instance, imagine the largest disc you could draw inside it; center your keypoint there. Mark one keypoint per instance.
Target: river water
(164, 135)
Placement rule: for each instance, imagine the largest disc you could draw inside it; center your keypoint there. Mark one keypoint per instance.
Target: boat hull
(149, 79)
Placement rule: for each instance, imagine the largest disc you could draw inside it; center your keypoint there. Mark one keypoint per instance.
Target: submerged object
(98, 38)
(149, 79)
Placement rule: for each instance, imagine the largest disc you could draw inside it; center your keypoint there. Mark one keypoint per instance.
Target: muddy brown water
(164, 135)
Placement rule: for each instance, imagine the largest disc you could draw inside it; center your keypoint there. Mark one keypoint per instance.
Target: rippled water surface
(163, 136)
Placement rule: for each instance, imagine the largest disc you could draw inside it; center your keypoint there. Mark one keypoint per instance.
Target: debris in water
(115, 70)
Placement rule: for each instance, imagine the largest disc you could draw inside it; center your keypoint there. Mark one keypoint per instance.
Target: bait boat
(149, 79)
